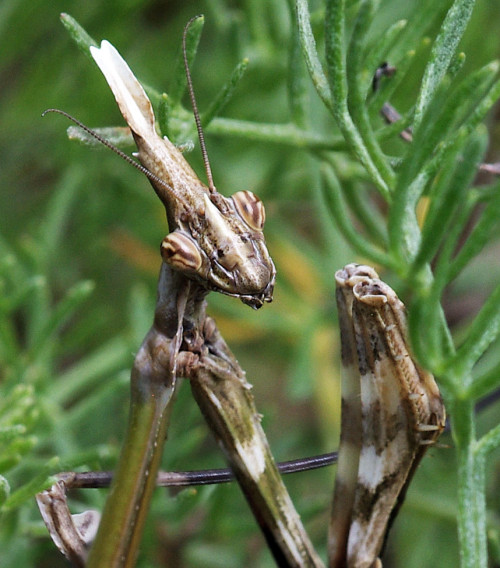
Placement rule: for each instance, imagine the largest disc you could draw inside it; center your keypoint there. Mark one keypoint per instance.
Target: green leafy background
(79, 244)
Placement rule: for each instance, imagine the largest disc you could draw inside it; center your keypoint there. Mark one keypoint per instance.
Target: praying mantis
(217, 244)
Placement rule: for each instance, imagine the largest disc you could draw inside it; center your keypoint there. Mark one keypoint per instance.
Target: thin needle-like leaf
(336, 66)
(79, 35)
(309, 50)
(443, 51)
(484, 330)
(225, 94)
(357, 88)
(178, 85)
(447, 196)
(332, 195)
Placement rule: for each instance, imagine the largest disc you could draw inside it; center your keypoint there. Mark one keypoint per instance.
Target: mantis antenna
(196, 113)
(149, 174)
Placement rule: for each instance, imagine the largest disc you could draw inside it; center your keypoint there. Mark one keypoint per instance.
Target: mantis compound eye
(181, 252)
(250, 208)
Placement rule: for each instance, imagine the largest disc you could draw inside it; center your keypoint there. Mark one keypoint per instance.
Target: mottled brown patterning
(391, 412)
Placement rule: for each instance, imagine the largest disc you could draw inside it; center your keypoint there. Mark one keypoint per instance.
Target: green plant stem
(471, 509)
(287, 134)
(471, 487)
(333, 93)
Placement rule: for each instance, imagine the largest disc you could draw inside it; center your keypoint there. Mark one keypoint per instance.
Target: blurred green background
(71, 213)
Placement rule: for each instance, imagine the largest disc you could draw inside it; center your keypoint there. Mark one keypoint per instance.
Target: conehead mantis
(215, 244)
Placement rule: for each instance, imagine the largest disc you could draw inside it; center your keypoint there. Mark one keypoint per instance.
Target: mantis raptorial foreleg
(224, 396)
(391, 412)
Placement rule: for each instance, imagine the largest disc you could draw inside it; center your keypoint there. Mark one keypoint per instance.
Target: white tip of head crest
(131, 98)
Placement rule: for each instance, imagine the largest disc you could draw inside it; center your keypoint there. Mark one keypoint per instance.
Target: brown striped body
(391, 412)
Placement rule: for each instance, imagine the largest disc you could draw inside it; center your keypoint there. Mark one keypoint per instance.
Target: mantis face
(214, 240)
(223, 246)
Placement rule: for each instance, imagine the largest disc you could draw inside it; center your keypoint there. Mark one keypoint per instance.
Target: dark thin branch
(102, 479)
